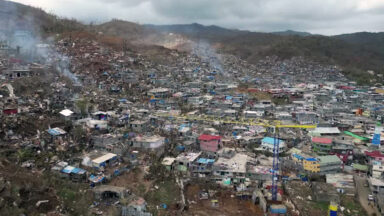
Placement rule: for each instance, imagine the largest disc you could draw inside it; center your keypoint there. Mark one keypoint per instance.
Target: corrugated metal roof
(104, 158)
(326, 130)
(360, 167)
(329, 159)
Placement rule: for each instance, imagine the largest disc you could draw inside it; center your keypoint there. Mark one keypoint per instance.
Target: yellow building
(323, 164)
(311, 165)
(379, 91)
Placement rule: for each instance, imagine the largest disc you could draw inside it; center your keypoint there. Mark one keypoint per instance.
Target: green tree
(82, 105)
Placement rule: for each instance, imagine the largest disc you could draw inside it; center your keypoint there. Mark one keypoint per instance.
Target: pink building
(210, 143)
(374, 156)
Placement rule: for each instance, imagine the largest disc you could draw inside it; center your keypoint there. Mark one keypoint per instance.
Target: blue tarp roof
(180, 148)
(271, 140)
(56, 131)
(96, 179)
(205, 160)
(78, 171)
(71, 169)
(298, 156)
(377, 108)
(153, 100)
(67, 169)
(183, 126)
(311, 159)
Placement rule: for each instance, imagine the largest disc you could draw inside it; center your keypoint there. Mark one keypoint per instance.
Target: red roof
(207, 137)
(251, 90)
(374, 154)
(322, 140)
(346, 87)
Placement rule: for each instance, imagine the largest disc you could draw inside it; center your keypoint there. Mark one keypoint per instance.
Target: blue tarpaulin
(205, 161)
(182, 126)
(56, 131)
(71, 169)
(67, 169)
(180, 148)
(298, 156)
(271, 140)
(153, 100)
(96, 179)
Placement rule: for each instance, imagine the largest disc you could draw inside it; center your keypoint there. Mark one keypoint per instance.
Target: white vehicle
(370, 197)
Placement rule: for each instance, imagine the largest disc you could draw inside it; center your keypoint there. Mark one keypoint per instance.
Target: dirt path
(228, 205)
(363, 196)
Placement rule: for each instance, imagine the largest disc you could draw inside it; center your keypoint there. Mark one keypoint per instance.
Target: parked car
(370, 197)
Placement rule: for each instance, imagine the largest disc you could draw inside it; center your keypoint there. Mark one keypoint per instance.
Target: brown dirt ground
(227, 206)
(30, 187)
(132, 180)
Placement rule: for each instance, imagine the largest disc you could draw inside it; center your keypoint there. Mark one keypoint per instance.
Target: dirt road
(363, 195)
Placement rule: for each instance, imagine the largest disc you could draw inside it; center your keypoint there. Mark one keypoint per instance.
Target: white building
(148, 142)
(231, 170)
(267, 144)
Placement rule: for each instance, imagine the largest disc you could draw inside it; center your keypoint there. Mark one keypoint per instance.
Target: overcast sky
(316, 16)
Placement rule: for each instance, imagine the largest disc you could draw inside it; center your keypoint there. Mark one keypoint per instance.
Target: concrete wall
(211, 146)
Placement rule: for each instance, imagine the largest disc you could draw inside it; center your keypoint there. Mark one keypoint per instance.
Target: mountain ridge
(356, 53)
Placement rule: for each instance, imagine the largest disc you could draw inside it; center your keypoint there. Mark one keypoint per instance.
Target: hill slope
(356, 53)
(16, 16)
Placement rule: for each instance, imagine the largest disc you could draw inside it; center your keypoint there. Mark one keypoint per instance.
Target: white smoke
(208, 54)
(63, 67)
(24, 35)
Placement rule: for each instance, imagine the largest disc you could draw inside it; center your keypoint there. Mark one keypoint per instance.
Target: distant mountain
(355, 53)
(366, 40)
(197, 31)
(291, 32)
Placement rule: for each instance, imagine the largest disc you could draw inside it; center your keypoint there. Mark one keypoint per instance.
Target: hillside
(128, 30)
(355, 53)
(198, 31)
(15, 16)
